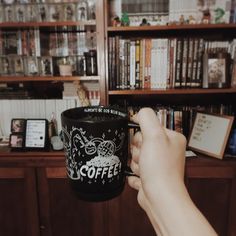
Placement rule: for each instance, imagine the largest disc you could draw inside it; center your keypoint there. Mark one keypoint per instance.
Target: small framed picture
(31, 66)
(9, 13)
(36, 134)
(216, 69)
(69, 12)
(16, 141)
(5, 66)
(20, 13)
(43, 12)
(205, 138)
(45, 65)
(55, 12)
(18, 65)
(1, 13)
(32, 11)
(17, 125)
(82, 11)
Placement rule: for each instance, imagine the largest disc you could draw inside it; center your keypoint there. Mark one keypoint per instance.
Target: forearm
(174, 213)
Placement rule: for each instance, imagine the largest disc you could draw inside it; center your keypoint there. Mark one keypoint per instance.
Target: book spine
(137, 64)
(132, 64)
(147, 72)
(178, 63)
(117, 61)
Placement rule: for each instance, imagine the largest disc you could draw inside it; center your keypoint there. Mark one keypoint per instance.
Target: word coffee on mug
(96, 150)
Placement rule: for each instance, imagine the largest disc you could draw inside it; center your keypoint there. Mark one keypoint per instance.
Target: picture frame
(82, 11)
(45, 66)
(32, 13)
(20, 13)
(55, 12)
(18, 126)
(43, 13)
(9, 13)
(18, 65)
(16, 141)
(204, 136)
(36, 134)
(216, 70)
(69, 12)
(5, 66)
(31, 66)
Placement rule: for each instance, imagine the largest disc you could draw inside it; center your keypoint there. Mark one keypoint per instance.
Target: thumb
(149, 124)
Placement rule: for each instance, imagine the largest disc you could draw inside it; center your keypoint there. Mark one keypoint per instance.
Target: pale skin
(158, 157)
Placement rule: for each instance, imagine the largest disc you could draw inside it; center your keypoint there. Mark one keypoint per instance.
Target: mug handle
(128, 171)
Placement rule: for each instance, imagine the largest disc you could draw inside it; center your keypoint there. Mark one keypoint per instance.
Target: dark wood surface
(35, 192)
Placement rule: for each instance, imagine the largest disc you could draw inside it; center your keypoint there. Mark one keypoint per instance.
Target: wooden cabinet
(36, 199)
(61, 213)
(18, 202)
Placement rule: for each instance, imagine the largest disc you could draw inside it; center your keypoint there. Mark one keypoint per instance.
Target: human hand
(158, 156)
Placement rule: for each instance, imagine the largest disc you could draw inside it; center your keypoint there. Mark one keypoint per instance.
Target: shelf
(46, 24)
(49, 78)
(171, 27)
(170, 91)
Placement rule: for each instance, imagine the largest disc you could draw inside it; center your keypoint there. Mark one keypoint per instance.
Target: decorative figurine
(181, 20)
(116, 21)
(191, 20)
(206, 19)
(125, 19)
(144, 22)
(219, 15)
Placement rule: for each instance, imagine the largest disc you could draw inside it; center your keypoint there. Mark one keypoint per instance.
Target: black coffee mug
(96, 149)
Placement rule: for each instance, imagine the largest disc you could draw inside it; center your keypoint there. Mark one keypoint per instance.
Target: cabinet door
(214, 191)
(18, 202)
(126, 217)
(61, 212)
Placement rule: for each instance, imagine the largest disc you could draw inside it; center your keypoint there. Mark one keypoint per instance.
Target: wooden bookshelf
(171, 91)
(172, 27)
(48, 78)
(46, 24)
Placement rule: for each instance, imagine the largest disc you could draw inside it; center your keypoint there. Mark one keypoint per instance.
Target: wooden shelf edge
(49, 78)
(170, 91)
(171, 27)
(46, 24)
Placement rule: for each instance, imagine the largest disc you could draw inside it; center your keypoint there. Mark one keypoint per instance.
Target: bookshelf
(127, 51)
(82, 28)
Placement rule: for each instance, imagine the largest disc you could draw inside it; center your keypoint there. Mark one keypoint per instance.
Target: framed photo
(55, 12)
(9, 13)
(210, 134)
(18, 65)
(43, 12)
(216, 69)
(82, 11)
(31, 65)
(16, 141)
(5, 66)
(69, 12)
(32, 11)
(45, 65)
(17, 125)
(36, 134)
(20, 13)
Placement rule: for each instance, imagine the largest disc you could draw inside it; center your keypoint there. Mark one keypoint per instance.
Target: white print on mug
(105, 165)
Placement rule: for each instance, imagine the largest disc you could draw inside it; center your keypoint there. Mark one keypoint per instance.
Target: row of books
(181, 118)
(41, 66)
(160, 63)
(52, 12)
(33, 42)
